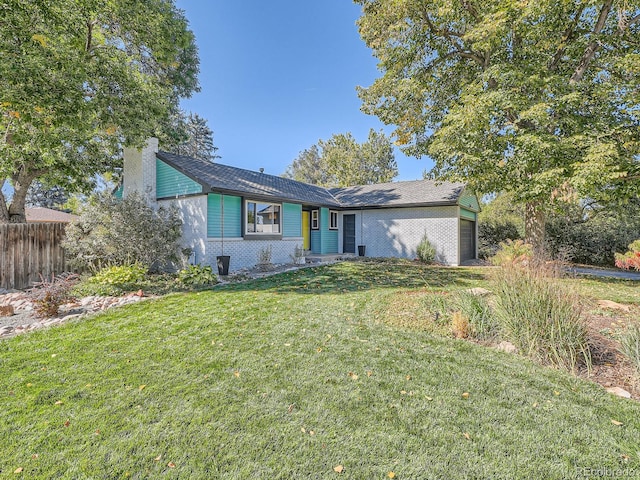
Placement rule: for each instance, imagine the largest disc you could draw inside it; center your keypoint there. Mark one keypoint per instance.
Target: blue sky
(278, 76)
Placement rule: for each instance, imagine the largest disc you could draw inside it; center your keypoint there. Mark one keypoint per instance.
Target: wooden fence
(28, 250)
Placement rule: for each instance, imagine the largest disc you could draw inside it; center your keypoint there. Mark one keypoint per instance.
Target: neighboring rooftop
(219, 177)
(47, 215)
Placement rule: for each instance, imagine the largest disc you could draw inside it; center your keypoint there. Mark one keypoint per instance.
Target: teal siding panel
(172, 183)
(291, 220)
(469, 200)
(330, 240)
(232, 216)
(467, 214)
(315, 241)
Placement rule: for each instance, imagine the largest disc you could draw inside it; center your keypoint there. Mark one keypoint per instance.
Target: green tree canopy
(341, 161)
(539, 98)
(81, 78)
(194, 137)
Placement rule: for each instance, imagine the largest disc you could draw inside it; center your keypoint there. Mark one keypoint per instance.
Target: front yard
(343, 371)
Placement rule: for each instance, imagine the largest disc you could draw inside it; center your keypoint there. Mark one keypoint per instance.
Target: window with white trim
(315, 219)
(333, 220)
(263, 218)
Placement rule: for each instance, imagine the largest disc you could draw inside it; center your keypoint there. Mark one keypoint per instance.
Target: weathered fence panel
(28, 250)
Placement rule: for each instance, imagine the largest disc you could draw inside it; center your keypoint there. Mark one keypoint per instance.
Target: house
(47, 215)
(237, 212)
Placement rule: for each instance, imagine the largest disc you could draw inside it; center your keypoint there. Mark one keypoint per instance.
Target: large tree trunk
(4, 211)
(534, 220)
(21, 183)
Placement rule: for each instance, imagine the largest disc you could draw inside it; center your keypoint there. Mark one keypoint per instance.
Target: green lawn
(293, 375)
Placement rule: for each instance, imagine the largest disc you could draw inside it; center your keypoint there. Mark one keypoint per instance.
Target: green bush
(120, 276)
(482, 324)
(630, 344)
(540, 317)
(122, 232)
(195, 275)
(492, 234)
(426, 251)
(513, 252)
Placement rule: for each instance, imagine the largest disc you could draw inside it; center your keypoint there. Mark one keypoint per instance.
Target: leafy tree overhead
(341, 161)
(540, 98)
(79, 80)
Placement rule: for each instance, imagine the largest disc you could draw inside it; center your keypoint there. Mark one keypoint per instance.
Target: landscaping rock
(507, 347)
(7, 310)
(620, 392)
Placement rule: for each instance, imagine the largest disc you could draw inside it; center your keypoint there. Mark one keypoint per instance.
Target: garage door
(467, 240)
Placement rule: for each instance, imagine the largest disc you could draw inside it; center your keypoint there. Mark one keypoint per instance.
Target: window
(263, 218)
(333, 220)
(315, 219)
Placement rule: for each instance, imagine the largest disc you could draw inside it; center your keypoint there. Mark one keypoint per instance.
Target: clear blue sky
(277, 76)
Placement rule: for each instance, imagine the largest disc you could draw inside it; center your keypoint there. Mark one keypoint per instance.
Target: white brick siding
(244, 253)
(396, 232)
(193, 213)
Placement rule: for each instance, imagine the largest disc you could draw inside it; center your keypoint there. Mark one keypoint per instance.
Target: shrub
(48, 295)
(492, 234)
(460, 325)
(121, 276)
(195, 275)
(264, 258)
(482, 324)
(631, 259)
(426, 251)
(541, 318)
(513, 252)
(122, 232)
(630, 344)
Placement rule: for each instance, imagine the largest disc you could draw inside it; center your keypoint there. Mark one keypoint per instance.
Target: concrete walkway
(598, 272)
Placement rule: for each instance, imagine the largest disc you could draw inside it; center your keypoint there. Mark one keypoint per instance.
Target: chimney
(140, 171)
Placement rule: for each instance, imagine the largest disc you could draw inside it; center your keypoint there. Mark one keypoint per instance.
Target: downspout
(361, 226)
(222, 224)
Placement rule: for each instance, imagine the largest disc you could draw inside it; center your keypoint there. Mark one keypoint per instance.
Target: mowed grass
(292, 376)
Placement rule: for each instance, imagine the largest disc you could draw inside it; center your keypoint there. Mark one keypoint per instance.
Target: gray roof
(224, 178)
(227, 179)
(416, 192)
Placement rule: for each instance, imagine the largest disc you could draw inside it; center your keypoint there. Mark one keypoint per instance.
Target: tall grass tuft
(541, 318)
(630, 344)
(476, 308)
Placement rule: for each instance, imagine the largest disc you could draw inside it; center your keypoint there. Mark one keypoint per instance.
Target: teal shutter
(232, 215)
(291, 220)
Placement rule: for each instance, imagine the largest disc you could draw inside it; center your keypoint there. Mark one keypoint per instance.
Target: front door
(348, 234)
(306, 231)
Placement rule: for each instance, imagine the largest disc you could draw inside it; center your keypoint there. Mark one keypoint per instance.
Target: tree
(41, 195)
(80, 79)
(536, 98)
(341, 161)
(196, 138)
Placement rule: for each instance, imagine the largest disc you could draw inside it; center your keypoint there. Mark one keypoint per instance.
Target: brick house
(237, 212)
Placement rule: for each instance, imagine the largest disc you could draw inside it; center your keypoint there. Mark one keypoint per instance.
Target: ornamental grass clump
(630, 344)
(541, 318)
(426, 251)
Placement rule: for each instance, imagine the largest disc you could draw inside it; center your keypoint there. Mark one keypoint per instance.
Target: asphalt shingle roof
(221, 177)
(416, 192)
(232, 179)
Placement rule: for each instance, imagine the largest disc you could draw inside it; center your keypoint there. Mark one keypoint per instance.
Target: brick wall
(140, 170)
(244, 253)
(396, 232)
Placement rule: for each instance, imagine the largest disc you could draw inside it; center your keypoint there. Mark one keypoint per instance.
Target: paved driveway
(597, 272)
